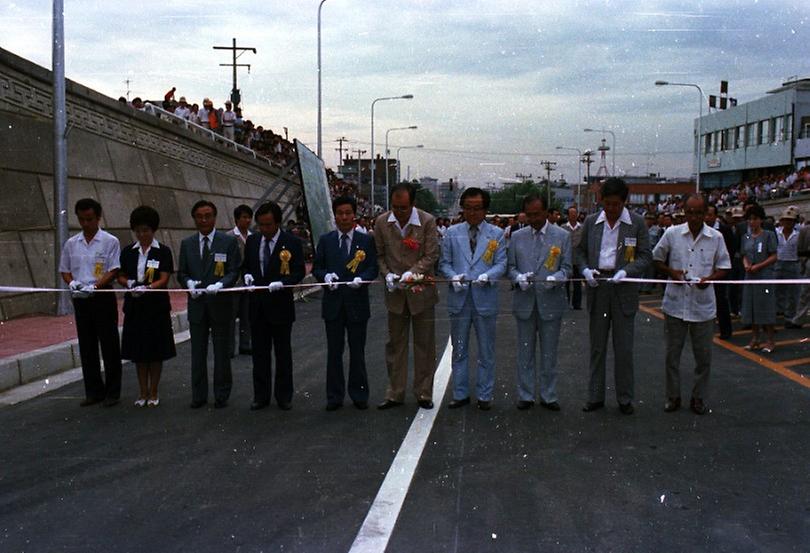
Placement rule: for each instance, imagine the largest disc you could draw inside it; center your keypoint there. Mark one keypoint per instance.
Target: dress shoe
(140, 402)
(593, 406)
(284, 406)
(456, 403)
(524, 405)
(110, 401)
(198, 403)
(697, 406)
(484, 405)
(256, 405)
(388, 404)
(792, 325)
(672, 404)
(87, 402)
(551, 405)
(153, 402)
(220, 404)
(627, 408)
(333, 406)
(362, 405)
(425, 404)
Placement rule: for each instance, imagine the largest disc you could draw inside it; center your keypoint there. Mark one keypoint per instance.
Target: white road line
(379, 523)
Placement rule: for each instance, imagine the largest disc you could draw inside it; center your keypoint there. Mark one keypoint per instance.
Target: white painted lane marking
(379, 523)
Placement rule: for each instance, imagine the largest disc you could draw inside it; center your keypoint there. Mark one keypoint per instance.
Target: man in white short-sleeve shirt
(90, 262)
(695, 253)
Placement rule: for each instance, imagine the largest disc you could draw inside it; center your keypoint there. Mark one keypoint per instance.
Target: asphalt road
(176, 479)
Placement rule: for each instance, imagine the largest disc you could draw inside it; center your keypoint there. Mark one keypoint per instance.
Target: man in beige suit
(407, 244)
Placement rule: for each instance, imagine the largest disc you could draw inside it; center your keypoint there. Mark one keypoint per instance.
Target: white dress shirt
(698, 258)
(272, 241)
(80, 258)
(142, 255)
(413, 220)
(610, 239)
(350, 234)
(787, 248)
(200, 236)
(242, 238)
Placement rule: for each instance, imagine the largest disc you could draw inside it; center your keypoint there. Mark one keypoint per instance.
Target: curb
(45, 369)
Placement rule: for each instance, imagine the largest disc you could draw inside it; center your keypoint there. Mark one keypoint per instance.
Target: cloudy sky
(497, 85)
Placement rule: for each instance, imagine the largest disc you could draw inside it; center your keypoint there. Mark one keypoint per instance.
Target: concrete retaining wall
(121, 157)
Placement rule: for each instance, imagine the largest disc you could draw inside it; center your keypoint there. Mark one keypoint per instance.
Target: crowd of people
(416, 255)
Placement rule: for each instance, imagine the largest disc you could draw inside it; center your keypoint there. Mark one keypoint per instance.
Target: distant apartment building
(352, 167)
(766, 136)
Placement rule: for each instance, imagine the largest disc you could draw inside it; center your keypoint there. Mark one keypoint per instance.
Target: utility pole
(360, 153)
(586, 159)
(236, 97)
(60, 167)
(523, 177)
(340, 140)
(127, 82)
(548, 165)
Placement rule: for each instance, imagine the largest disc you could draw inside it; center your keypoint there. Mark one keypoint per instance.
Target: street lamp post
(613, 155)
(404, 97)
(320, 131)
(405, 148)
(579, 172)
(700, 117)
(412, 127)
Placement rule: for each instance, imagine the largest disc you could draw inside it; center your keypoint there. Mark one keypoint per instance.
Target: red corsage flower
(410, 243)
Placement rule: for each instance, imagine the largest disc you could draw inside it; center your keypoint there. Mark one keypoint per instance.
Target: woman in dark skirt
(147, 339)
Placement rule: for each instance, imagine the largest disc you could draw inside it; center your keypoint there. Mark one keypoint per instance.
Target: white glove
(619, 276)
(482, 280)
(550, 282)
(693, 280)
(275, 286)
(590, 276)
(406, 276)
(356, 282)
(331, 280)
(248, 278)
(213, 288)
(75, 285)
(131, 284)
(87, 290)
(458, 283)
(391, 281)
(192, 286)
(522, 281)
(137, 292)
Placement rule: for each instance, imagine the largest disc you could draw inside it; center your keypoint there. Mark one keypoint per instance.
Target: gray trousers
(804, 298)
(528, 330)
(606, 312)
(241, 311)
(701, 336)
(787, 295)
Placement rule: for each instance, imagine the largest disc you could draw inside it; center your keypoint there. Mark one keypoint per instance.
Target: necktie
(344, 245)
(473, 237)
(267, 254)
(206, 252)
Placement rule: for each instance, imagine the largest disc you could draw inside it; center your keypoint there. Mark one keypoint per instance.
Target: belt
(606, 273)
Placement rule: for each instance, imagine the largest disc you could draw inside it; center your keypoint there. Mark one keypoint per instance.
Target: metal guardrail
(185, 123)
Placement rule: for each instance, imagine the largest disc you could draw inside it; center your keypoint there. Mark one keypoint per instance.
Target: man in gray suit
(615, 245)
(539, 264)
(209, 262)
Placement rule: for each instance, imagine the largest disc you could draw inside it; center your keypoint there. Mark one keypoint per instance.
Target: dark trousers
(223, 380)
(97, 323)
(355, 333)
(267, 337)
(734, 291)
(576, 286)
(723, 313)
(241, 311)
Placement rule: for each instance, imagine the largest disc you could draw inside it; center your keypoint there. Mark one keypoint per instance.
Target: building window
(751, 135)
(772, 135)
(739, 137)
(789, 127)
(763, 131)
(716, 141)
(707, 140)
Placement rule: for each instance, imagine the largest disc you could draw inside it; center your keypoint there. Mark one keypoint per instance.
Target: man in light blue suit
(539, 264)
(473, 258)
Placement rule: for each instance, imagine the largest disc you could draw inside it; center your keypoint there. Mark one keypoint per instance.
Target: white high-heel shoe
(153, 402)
(140, 402)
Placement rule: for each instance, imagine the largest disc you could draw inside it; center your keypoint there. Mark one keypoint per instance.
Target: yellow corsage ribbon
(219, 269)
(149, 275)
(492, 245)
(551, 260)
(359, 257)
(629, 253)
(285, 256)
(98, 270)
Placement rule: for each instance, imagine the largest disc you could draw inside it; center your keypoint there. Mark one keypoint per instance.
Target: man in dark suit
(344, 258)
(615, 245)
(273, 259)
(209, 262)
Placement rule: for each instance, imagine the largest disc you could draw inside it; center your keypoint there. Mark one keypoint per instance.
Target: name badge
(759, 247)
(152, 264)
(98, 268)
(630, 242)
(220, 258)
